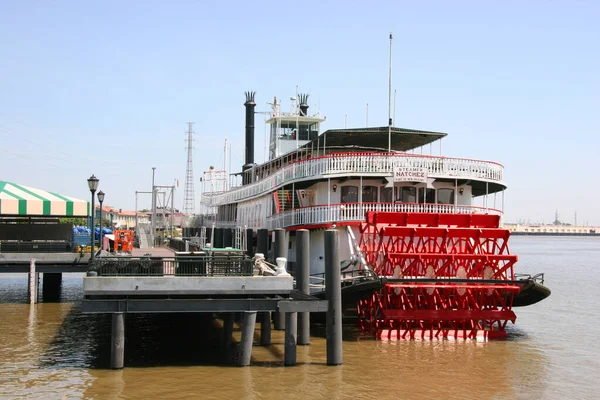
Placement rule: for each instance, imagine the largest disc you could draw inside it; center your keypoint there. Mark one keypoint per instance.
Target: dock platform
(223, 282)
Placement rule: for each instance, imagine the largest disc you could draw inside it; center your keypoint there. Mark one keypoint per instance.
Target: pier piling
(333, 292)
(117, 348)
(281, 249)
(227, 329)
(303, 281)
(291, 329)
(51, 286)
(262, 246)
(247, 337)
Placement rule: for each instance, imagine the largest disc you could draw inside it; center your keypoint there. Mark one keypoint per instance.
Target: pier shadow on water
(151, 340)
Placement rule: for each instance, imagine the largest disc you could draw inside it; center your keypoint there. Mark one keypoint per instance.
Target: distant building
(122, 219)
(552, 229)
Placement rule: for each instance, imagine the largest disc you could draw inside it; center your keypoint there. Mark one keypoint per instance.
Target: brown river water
(52, 351)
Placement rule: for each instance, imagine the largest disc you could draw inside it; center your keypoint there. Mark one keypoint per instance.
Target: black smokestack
(249, 160)
(303, 104)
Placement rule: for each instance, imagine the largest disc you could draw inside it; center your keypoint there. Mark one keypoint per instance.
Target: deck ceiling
(375, 138)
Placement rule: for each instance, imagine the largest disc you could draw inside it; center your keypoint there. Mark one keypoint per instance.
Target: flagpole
(390, 101)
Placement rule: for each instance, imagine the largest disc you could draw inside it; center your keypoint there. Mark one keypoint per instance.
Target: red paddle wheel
(448, 276)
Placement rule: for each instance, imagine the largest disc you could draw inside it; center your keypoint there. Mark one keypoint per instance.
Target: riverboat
(421, 260)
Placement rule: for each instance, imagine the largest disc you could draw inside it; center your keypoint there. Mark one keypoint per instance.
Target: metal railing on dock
(208, 264)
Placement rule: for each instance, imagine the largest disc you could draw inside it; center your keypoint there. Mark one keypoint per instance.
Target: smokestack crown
(250, 98)
(303, 104)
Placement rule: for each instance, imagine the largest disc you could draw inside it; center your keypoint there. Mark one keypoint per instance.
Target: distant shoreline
(553, 234)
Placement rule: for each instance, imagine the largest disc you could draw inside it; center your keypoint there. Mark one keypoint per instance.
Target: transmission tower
(189, 201)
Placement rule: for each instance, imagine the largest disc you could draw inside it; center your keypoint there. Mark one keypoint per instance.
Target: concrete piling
(303, 281)
(247, 337)
(281, 249)
(333, 292)
(291, 329)
(117, 348)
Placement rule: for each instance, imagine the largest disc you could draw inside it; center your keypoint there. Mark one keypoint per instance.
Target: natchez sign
(410, 174)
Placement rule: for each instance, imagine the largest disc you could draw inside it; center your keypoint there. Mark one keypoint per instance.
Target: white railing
(350, 212)
(377, 164)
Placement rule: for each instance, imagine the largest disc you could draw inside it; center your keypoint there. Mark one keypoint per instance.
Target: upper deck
(485, 176)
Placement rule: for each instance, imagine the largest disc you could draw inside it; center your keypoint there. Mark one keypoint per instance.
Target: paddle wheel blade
(448, 276)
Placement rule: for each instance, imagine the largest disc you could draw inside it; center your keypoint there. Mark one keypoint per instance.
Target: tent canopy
(20, 200)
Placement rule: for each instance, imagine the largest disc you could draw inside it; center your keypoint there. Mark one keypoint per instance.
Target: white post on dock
(33, 283)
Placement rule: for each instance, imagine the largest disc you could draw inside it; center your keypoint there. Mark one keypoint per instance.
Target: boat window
(445, 196)
(429, 197)
(308, 132)
(369, 194)
(408, 194)
(349, 194)
(387, 194)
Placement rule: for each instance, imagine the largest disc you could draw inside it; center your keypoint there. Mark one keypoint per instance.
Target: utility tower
(189, 201)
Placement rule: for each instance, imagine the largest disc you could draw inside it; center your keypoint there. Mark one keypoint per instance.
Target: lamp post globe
(93, 185)
(100, 200)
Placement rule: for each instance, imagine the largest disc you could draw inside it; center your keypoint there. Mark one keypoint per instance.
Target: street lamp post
(101, 200)
(93, 185)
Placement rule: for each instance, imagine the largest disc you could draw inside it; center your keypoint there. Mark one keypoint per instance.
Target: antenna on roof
(390, 101)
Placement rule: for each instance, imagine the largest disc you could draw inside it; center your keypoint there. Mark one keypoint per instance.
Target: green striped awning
(26, 201)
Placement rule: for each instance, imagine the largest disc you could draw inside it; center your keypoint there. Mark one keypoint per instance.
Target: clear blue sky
(107, 87)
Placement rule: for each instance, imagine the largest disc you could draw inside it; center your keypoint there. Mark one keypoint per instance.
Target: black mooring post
(280, 251)
(303, 281)
(249, 239)
(333, 292)
(291, 329)
(227, 237)
(262, 246)
(117, 348)
(51, 286)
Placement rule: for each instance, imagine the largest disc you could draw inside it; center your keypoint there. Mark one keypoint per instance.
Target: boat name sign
(407, 174)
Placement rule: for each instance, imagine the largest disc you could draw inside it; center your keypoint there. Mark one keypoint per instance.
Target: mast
(390, 101)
